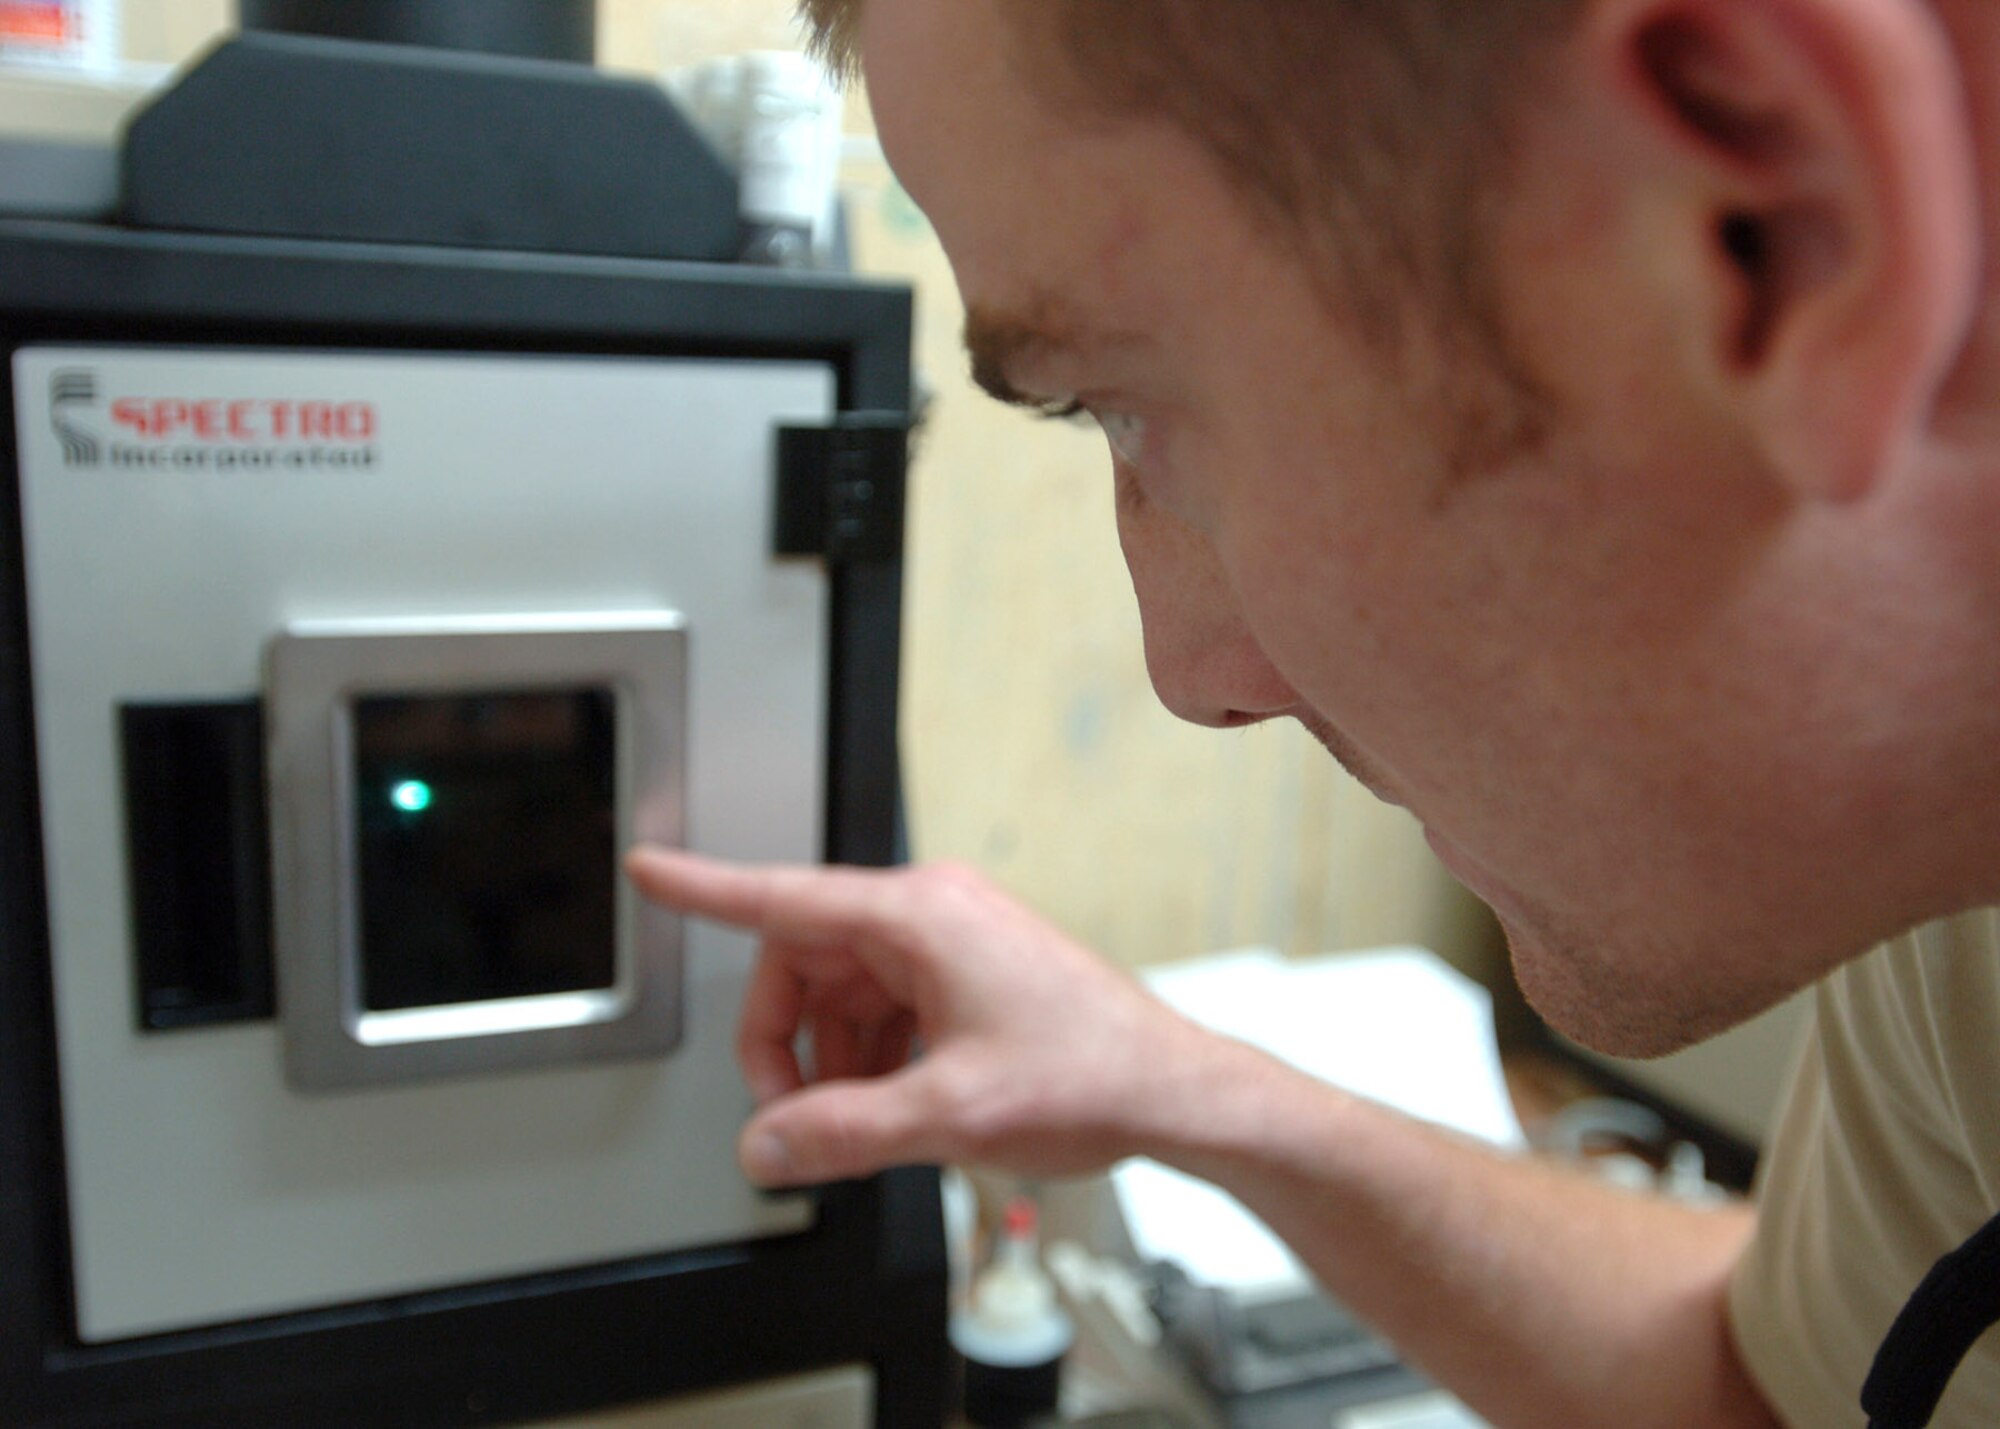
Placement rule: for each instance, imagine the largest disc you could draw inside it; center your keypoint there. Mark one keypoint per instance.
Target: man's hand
(1036, 1055)
(1540, 1297)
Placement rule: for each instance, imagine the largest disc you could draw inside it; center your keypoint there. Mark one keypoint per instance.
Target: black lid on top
(530, 29)
(299, 136)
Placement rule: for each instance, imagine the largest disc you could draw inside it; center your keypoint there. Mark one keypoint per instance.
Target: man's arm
(1541, 1298)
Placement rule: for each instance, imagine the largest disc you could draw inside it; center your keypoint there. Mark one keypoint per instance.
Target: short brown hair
(1374, 133)
(832, 24)
(1323, 110)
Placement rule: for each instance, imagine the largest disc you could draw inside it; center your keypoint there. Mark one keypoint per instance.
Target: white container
(786, 164)
(60, 34)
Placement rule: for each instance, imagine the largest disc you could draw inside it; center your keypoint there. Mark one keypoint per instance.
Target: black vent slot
(199, 851)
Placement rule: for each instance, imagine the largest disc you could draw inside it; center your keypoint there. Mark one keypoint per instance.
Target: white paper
(1397, 1025)
(1428, 1411)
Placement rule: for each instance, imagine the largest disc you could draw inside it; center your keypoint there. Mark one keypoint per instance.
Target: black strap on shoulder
(1956, 1303)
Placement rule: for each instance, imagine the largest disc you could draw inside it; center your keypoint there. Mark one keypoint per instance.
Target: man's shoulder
(1886, 1157)
(1937, 985)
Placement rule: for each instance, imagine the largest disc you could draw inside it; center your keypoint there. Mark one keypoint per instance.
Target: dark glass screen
(485, 842)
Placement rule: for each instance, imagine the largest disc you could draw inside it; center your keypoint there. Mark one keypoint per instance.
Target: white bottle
(785, 100)
(1011, 1333)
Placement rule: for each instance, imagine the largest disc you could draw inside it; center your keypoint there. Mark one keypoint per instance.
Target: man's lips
(1483, 885)
(1462, 866)
(1348, 756)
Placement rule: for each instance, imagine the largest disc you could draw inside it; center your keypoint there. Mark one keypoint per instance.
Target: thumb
(835, 1131)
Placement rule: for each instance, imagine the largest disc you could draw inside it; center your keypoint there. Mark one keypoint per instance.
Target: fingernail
(766, 1158)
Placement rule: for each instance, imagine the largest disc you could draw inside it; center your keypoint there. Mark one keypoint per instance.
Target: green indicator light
(412, 796)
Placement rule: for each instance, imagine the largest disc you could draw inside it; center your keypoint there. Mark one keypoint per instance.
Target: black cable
(1957, 1302)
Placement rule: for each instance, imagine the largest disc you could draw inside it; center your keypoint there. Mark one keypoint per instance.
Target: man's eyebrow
(999, 341)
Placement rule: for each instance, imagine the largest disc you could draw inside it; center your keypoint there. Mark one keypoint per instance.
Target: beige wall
(168, 31)
(1034, 746)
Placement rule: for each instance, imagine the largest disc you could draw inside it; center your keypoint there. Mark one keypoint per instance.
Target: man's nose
(1205, 664)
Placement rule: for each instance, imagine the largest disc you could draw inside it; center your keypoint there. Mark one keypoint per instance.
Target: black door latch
(841, 487)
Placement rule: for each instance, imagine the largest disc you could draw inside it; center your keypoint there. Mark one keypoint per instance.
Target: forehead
(1027, 196)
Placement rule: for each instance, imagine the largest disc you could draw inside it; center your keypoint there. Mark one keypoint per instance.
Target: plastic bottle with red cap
(1011, 1334)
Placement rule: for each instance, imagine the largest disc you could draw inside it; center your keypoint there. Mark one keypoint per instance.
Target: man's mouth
(1376, 781)
(1349, 757)
(1469, 871)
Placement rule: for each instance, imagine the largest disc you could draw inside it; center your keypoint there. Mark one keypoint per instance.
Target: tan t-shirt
(1887, 1156)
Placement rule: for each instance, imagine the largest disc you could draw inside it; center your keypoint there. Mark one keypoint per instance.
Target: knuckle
(981, 1113)
(844, 1141)
(950, 889)
(993, 1127)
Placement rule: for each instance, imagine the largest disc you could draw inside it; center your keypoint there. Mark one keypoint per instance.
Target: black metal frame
(864, 1285)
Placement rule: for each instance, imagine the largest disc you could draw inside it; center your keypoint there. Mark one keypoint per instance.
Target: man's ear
(1818, 155)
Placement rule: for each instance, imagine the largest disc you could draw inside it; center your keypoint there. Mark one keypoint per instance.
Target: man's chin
(1614, 1007)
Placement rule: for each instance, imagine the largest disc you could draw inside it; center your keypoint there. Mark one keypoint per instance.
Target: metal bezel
(315, 671)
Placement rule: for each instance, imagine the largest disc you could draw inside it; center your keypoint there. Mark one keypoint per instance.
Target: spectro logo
(243, 419)
(207, 433)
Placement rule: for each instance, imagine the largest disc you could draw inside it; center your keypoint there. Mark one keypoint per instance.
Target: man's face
(1544, 658)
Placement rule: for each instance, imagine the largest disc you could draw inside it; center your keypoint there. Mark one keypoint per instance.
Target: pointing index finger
(785, 901)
